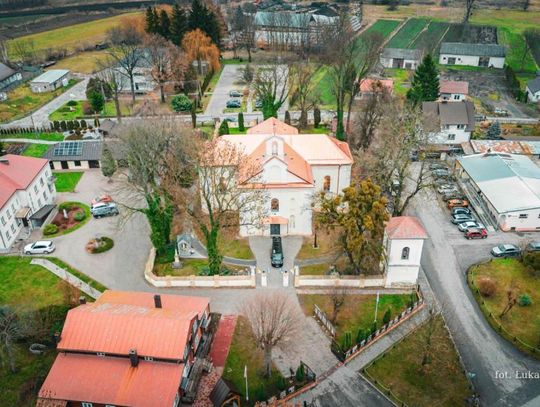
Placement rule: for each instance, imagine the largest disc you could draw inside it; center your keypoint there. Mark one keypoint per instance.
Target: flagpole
(245, 376)
(376, 306)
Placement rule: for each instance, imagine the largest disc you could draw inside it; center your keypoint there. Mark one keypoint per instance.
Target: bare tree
(126, 52)
(511, 300)
(158, 55)
(274, 320)
(110, 76)
(337, 296)
(25, 50)
(12, 328)
(272, 87)
(304, 95)
(228, 193)
(469, 4)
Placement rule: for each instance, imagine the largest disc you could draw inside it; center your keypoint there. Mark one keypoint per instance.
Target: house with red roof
(453, 91)
(129, 349)
(403, 243)
(27, 196)
(292, 168)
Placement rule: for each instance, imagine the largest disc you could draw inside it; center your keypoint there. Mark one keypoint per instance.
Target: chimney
(157, 301)
(133, 358)
(57, 338)
(82, 300)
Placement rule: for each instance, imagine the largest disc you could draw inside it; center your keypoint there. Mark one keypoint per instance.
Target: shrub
(50, 229)
(72, 103)
(79, 216)
(281, 383)
(362, 335)
(181, 103)
(347, 340)
(241, 126)
(300, 373)
(316, 117)
(224, 128)
(532, 261)
(287, 118)
(486, 286)
(524, 300)
(387, 316)
(104, 244)
(67, 206)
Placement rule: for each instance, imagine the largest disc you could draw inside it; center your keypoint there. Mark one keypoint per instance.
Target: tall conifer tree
(425, 84)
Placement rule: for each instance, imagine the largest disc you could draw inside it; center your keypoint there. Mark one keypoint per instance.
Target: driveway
(220, 95)
(41, 116)
(447, 256)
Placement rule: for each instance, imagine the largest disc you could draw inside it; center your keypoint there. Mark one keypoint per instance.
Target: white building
(453, 91)
(533, 90)
(456, 121)
(401, 58)
(50, 80)
(483, 55)
(8, 76)
(508, 185)
(27, 195)
(293, 168)
(403, 242)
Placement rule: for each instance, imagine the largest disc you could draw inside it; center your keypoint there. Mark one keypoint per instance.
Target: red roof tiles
(17, 172)
(460, 87)
(272, 126)
(405, 227)
(368, 84)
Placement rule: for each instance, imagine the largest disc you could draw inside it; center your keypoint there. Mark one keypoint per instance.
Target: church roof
(405, 227)
(272, 126)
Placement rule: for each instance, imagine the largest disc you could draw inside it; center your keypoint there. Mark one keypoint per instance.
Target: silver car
(463, 227)
(39, 247)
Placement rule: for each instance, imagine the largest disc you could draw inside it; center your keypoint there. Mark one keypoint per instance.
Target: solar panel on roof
(68, 148)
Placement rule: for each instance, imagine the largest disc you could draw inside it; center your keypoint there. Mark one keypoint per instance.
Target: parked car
(459, 209)
(447, 188)
(533, 246)
(457, 202)
(39, 247)
(235, 94)
(472, 224)
(500, 112)
(440, 173)
(233, 103)
(460, 218)
(276, 257)
(104, 209)
(102, 198)
(437, 166)
(453, 196)
(476, 233)
(506, 250)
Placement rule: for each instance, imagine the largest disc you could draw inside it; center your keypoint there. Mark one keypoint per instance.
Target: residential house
(483, 55)
(129, 349)
(401, 58)
(142, 77)
(533, 90)
(403, 242)
(456, 121)
(293, 168)
(369, 86)
(80, 154)
(507, 185)
(453, 91)
(27, 195)
(50, 80)
(8, 77)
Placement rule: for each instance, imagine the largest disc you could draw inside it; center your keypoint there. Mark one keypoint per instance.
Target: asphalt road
(220, 95)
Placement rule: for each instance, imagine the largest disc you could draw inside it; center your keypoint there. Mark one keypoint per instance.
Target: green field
(408, 33)
(37, 136)
(70, 37)
(430, 38)
(515, 44)
(35, 150)
(66, 112)
(383, 27)
(67, 181)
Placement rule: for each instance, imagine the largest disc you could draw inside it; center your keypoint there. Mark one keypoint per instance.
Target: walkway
(27, 141)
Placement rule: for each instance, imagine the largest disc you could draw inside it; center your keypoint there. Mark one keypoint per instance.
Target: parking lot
(226, 83)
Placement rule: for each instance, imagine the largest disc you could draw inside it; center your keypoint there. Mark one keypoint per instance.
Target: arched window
(274, 148)
(405, 253)
(274, 204)
(292, 221)
(326, 184)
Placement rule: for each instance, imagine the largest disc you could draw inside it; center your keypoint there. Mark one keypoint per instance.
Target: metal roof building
(482, 50)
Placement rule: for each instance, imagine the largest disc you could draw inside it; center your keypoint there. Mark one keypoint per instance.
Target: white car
(39, 247)
(471, 224)
(447, 188)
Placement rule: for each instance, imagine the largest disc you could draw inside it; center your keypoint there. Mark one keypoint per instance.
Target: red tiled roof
(272, 126)
(461, 87)
(405, 227)
(17, 173)
(173, 302)
(366, 85)
(108, 380)
(117, 328)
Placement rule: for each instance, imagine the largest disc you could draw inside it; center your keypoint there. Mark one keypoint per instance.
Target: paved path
(27, 140)
(220, 94)
(40, 118)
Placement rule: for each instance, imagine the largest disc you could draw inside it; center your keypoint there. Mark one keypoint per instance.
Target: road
(230, 75)
(447, 256)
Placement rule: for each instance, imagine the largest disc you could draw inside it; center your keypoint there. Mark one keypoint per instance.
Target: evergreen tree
(425, 84)
(151, 21)
(179, 25)
(204, 19)
(316, 117)
(241, 126)
(494, 131)
(387, 316)
(108, 163)
(96, 101)
(164, 24)
(224, 128)
(287, 118)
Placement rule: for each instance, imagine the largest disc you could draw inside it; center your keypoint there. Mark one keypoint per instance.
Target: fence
(67, 276)
(325, 321)
(339, 281)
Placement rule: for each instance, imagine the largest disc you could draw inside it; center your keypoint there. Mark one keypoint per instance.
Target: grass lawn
(384, 27)
(324, 88)
(523, 322)
(21, 101)
(400, 77)
(67, 181)
(314, 130)
(77, 273)
(37, 136)
(66, 112)
(442, 383)
(215, 78)
(35, 150)
(315, 269)
(71, 37)
(245, 352)
(190, 267)
(83, 62)
(325, 242)
(515, 43)
(235, 130)
(357, 312)
(235, 247)
(408, 33)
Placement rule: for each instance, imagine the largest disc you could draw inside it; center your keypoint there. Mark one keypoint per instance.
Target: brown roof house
(129, 349)
(456, 121)
(453, 91)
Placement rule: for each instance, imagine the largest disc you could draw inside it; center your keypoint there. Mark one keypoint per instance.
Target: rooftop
(482, 50)
(272, 126)
(17, 173)
(405, 53)
(451, 113)
(461, 87)
(534, 84)
(81, 150)
(405, 227)
(5, 71)
(51, 76)
(377, 85)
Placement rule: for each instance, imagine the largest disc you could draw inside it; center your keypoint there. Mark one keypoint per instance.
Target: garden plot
(406, 36)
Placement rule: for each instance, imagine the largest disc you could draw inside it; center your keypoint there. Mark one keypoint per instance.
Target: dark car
(276, 257)
(438, 166)
(441, 173)
(234, 94)
(476, 233)
(533, 247)
(460, 218)
(459, 209)
(506, 250)
(233, 103)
